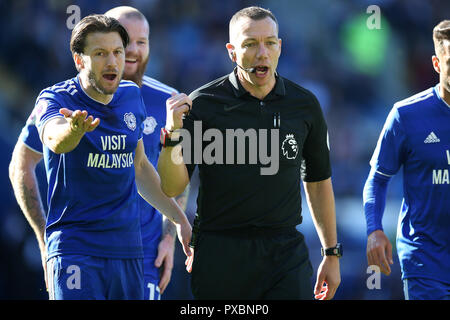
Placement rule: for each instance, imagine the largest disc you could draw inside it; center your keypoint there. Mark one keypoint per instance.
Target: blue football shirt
(154, 94)
(92, 197)
(416, 135)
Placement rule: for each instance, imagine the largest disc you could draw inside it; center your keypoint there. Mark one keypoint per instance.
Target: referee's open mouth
(261, 71)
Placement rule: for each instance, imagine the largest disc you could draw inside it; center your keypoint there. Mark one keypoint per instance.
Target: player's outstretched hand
(176, 106)
(79, 120)
(379, 251)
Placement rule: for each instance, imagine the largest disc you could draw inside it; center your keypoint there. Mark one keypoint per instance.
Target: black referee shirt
(235, 195)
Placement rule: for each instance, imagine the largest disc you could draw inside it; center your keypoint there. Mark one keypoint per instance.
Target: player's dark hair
(95, 23)
(254, 13)
(440, 33)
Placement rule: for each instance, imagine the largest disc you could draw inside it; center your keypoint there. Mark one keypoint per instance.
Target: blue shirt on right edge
(416, 135)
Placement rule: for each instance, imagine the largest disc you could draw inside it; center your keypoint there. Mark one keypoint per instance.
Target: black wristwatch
(335, 251)
(167, 141)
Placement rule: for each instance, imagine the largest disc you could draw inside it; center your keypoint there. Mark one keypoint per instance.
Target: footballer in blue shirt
(416, 136)
(91, 127)
(158, 233)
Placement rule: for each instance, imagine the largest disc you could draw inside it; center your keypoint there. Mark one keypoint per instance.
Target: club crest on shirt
(38, 111)
(149, 125)
(290, 147)
(130, 120)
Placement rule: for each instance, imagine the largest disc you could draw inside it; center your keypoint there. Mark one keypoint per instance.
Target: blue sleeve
(47, 107)
(30, 137)
(374, 199)
(387, 159)
(390, 151)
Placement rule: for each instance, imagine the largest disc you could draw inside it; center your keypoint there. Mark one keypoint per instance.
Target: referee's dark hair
(95, 23)
(254, 13)
(440, 33)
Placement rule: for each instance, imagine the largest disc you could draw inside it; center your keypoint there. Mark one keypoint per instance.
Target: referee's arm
(174, 175)
(320, 199)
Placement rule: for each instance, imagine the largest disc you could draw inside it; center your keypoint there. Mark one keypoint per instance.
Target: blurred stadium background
(356, 73)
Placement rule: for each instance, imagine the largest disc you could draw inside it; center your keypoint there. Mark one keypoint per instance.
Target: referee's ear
(231, 52)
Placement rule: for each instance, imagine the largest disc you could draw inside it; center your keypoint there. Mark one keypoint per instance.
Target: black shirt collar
(239, 90)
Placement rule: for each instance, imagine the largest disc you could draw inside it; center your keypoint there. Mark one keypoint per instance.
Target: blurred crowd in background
(356, 72)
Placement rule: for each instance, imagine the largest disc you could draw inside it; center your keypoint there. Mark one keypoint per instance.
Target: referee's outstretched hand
(79, 120)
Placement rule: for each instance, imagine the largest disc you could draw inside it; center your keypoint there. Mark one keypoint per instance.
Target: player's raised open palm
(79, 120)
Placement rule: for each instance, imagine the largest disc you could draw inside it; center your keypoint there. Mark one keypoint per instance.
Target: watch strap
(334, 251)
(167, 138)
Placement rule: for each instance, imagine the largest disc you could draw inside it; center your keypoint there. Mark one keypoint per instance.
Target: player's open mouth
(131, 61)
(261, 71)
(110, 76)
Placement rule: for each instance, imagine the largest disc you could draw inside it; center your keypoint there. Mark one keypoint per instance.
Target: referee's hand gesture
(176, 106)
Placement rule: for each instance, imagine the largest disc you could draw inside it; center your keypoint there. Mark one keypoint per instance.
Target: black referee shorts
(251, 266)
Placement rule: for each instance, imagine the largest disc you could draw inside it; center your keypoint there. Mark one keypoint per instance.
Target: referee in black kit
(244, 237)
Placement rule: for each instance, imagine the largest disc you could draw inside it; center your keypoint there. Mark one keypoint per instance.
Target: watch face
(336, 251)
